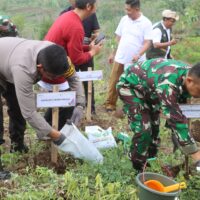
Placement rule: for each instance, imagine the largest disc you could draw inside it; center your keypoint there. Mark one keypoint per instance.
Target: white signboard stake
(90, 76)
(55, 100)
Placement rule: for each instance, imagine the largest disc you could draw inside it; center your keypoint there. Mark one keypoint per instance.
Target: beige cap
(170, 14)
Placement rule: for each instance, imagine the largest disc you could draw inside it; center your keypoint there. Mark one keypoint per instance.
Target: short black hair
(81, 4)
(195, 70)
(133, 3)
(53, 59)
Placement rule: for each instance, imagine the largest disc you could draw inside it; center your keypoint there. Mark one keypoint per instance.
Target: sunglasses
(172, 20)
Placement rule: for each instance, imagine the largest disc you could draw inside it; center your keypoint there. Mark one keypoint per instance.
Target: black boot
(138, 161)
(2, 141)
(153, 148)
(18, 147)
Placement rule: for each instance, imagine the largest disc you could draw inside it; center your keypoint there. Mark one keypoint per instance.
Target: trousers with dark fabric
(1, 120)
(144, 121)
(64, 115)
(84, 67)
(17, 124)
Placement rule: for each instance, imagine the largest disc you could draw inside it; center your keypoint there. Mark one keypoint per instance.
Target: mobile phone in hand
(99, 38)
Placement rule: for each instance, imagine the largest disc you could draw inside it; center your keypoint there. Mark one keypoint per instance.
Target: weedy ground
(35, 177)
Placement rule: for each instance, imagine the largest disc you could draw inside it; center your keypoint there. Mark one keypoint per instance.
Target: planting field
(34, 177)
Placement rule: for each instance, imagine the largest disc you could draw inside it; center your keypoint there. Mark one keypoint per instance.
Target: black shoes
(93, 112)
(2, 141)
(16, 147)
(4, 175)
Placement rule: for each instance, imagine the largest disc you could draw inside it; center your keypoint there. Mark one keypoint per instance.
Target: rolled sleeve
(26, 99)
(156, 35)
(168, 97)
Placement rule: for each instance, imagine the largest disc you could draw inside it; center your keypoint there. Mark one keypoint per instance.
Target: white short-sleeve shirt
(132, 34)
(157, 36)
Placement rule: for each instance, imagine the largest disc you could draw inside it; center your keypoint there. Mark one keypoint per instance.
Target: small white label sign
(90, 75)
(56, 99)
(191, 110)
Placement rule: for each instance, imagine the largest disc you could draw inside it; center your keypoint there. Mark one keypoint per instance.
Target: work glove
(77, 115)
(67, 145)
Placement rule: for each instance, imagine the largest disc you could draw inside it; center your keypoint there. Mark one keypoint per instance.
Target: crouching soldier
(149, 88)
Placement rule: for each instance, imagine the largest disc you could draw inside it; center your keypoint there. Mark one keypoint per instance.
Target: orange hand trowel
(156, 185)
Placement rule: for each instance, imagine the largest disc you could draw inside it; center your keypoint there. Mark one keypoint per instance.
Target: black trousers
(17, 124)
(1, 119)
(84, 67)
(64, 115)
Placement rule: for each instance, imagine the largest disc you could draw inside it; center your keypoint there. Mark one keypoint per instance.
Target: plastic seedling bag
(78, 145)
(99, 137)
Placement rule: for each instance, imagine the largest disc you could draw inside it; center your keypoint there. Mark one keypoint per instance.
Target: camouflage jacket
(160, 82)
(7, 28)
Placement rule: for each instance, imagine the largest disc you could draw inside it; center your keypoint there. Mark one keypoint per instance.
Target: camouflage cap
(4, 20)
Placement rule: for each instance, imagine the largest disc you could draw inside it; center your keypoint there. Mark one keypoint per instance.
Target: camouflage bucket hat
(4, 20)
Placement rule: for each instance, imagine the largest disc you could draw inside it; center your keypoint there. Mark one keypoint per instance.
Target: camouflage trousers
(144, 120)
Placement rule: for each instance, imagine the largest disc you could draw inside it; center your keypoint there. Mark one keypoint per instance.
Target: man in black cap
(23, 62)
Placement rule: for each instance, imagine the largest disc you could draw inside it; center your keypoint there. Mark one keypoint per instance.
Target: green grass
(115, 179)
(188, 50)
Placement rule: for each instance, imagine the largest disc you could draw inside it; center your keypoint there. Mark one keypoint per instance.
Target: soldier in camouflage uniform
(149, 88)
(7, 28)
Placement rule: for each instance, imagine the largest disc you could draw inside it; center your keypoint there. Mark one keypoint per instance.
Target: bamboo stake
(187, 169)
(55, 111)
(89, 100)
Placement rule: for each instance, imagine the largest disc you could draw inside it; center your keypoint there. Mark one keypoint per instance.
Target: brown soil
(43, 158)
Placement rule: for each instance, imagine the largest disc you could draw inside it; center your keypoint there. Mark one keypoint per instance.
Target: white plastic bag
(78, 145)
(99, 137)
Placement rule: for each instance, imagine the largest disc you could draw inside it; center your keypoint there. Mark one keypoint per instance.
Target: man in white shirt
(133, 36)
(161, 36)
